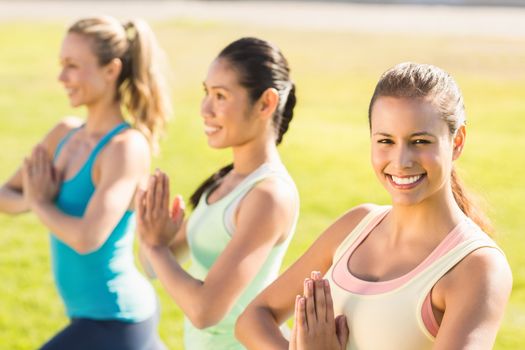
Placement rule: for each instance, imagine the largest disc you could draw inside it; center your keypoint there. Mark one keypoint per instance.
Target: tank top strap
(263, 172)
(106, 138)
(66, 138)
(478, 239)
(366, 224)
(103, 142)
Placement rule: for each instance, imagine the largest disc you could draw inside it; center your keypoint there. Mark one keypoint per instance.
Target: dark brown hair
(260, 65)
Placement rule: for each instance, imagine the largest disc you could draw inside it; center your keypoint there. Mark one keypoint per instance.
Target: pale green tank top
(207, 236)
(391, 314)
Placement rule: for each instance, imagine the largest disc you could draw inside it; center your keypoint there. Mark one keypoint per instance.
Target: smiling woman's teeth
(405, 180)
(210, 129)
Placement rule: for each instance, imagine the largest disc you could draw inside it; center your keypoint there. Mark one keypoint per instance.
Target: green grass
(326, 149)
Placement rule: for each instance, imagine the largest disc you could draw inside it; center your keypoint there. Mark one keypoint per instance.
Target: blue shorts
(88, 334)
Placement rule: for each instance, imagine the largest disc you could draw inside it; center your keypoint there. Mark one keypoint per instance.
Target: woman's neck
(430, 220)
(103, 117)
(250, 156)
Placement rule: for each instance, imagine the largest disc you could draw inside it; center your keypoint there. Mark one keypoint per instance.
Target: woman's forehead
(406, 115)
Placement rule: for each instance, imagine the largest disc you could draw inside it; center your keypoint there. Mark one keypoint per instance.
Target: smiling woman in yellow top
(419, 274)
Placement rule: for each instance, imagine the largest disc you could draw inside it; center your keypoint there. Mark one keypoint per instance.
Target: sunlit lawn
(326, 149)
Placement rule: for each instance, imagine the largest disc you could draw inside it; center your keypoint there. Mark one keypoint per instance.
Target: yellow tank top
(390, 314)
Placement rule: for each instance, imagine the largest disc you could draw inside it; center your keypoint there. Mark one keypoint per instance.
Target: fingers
(45, 167)
(301, 321)
(315, 326)
(341, 330)
(165, 192)
(156, 226)
(178, 209)
(150, 198)
(159, 192)
(329, 301)
(34, 170)
(26, 168)
(39, 161)
(319, 296)
(309, 300)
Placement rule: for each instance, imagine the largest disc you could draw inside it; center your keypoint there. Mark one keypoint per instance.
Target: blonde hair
(140, 86)
(414, 80)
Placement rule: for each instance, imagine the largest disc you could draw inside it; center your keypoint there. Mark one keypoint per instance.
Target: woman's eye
(220, 96)
(420, 142)
(385, 141)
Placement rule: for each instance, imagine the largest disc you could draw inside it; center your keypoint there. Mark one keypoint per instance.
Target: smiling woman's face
(82, 76)
(227, 109)
(412, 150)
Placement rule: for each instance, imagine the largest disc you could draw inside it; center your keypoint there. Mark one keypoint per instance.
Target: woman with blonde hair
(80, 181)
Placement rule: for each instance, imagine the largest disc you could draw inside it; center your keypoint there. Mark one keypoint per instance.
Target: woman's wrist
(155, 248)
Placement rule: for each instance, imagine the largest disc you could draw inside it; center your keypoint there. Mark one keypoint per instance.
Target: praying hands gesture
(315, 327)
(156, 225)
(39, 177)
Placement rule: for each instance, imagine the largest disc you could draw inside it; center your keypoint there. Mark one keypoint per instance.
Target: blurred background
(337, 51)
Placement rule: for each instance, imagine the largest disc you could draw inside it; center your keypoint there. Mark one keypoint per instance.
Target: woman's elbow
(12, 201)
(202, 317)
(85, 244)
(241, 326)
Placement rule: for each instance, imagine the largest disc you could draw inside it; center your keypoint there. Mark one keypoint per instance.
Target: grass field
(326, 149)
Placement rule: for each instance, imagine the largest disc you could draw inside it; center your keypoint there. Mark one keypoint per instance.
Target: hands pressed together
(315, 327)
(39, 177)
(157, 225)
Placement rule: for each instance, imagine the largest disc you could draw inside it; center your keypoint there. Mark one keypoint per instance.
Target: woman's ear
(459, 142)
(112, 69)
(268, 103)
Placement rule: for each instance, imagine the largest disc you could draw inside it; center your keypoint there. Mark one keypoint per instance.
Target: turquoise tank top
(103, 284)
(207, 236)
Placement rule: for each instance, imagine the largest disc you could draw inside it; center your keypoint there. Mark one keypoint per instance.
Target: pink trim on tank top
(427, 315)
(343, 277)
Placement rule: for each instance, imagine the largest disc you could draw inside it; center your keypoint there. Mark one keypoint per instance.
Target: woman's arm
(207, 302)
(474, 295)
(122, 164)
(12, 199)
(179, 249)
(258, 325)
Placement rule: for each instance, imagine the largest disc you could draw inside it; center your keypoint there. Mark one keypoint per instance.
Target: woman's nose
(206, 107)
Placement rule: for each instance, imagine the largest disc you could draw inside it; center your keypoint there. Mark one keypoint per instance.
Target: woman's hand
(315, 327)
(156, 224)
(39, 177)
